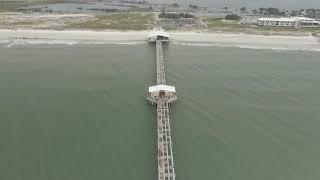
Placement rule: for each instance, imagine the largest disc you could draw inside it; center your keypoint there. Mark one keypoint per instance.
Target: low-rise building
(317, 14)
(295, 22)
(158, 34)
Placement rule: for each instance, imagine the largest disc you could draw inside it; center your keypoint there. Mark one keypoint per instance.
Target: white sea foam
(4, 41)
(113, 42)
(51, 42)
(243, 46)
(36, 37)
(304, 43)
(107, 36)
(13, 43)
(28, 42)
(24, 42)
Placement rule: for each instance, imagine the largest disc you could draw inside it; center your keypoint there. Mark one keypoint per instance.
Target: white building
(162, 91)
(158, 34)
(296, 22)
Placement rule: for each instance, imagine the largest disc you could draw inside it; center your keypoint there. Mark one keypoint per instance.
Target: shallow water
(79, 112)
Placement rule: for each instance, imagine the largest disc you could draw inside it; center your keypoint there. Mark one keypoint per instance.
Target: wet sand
(16, 37)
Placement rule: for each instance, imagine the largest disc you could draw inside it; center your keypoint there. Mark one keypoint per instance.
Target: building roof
(158, 33)
(292, 19)
(277, 19)
(303, 18)
(162, 88)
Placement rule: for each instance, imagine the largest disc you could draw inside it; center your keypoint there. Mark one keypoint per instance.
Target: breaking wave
(4, 41)
(278, 47)
(244, 46)
(26, 42)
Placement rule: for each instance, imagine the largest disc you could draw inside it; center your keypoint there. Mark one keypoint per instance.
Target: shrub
(233, 17)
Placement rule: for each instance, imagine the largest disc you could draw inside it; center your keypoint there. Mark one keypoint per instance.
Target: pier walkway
(162, 96)
(161, 75)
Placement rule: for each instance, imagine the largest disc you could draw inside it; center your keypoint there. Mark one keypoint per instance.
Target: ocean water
(80, 112)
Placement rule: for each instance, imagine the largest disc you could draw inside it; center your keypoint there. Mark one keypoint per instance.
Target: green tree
(255, 11)
(243, 10)
(232, 17)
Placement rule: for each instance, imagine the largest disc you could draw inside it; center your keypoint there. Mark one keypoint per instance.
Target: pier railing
(166, 170)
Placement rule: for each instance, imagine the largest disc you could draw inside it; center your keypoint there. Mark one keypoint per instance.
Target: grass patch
(217, 22)
(11, 6)
(122, 21)
(22, 23)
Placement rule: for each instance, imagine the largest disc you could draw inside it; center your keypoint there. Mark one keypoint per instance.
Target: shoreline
(34, 33)
(194, 38)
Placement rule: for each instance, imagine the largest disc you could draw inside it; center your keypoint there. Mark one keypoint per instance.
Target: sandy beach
(10, 38)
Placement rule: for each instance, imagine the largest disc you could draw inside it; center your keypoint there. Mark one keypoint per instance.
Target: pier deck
(166, 170)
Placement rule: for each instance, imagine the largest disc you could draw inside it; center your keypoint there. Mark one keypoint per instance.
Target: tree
(175, 15)
(193, 6)
(311, 13)
(243, 10)
(175, 5)
(294, 13)
(163, 11)
(273, 11)
(233, 17)
(262, 10)
(255, 11)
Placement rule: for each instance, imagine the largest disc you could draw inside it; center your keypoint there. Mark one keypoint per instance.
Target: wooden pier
(162, 96)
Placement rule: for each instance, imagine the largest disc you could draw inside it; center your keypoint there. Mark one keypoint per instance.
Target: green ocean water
(80, 113)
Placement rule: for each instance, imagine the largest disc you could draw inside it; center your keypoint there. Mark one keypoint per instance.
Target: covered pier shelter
(158, 35)
(162, 91)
